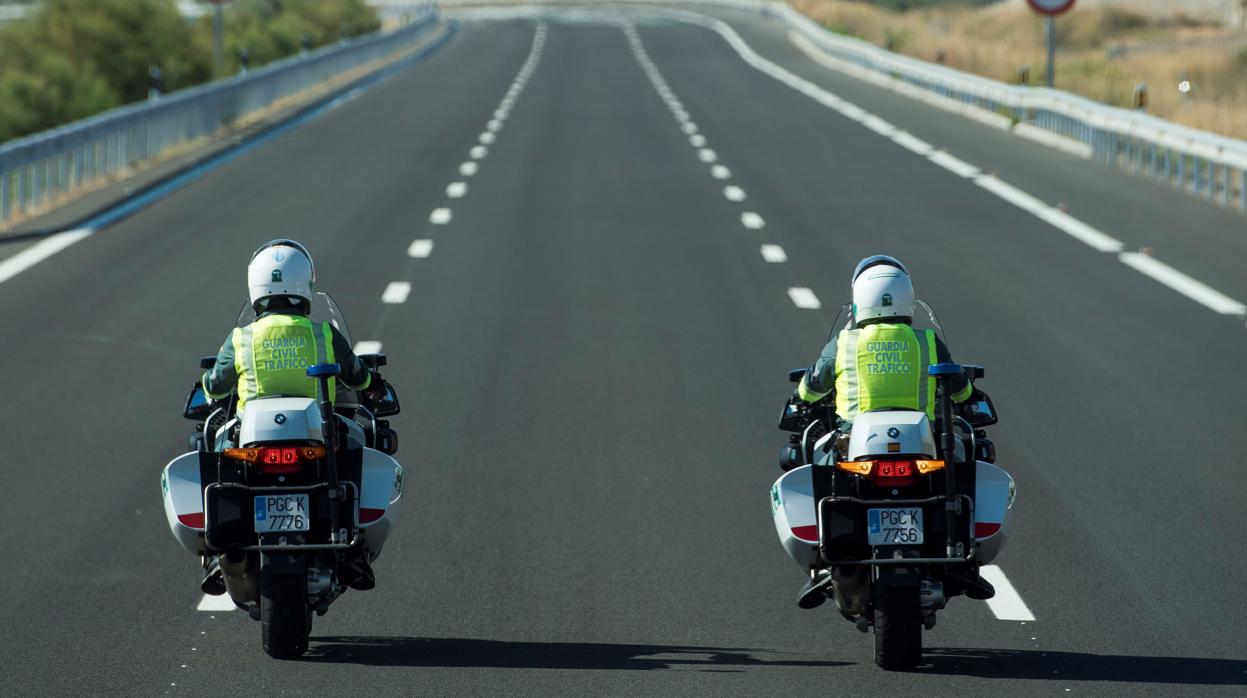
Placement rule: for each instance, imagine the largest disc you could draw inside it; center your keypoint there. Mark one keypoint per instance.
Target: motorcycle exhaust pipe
(242, 577)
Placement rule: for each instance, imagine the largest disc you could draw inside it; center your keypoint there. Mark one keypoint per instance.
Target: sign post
(1050, 9)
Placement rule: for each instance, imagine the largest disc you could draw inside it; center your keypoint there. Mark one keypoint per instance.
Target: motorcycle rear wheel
(284, 617)
(898, 628)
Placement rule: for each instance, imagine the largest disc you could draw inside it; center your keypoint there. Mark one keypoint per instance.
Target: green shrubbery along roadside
(74, 58)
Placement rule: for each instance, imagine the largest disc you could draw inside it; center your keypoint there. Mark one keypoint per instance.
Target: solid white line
(961, 168)
(487, 138)
(697, 140)
(456, 190)
(216, 603)
(467, 169)
(420, 248)
(40, 251)
(774, 254)
(440, 216)
(734, 193)
(367, 346)
(804, 298)
(752, 220)
(1183, 284)
(1006, 604)
(707, 155)
(478, 151)
(396, 292)
(1050, 214)
(910, 142)
(720, 172)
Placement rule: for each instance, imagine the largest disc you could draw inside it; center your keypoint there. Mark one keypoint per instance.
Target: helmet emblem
(278, 255)
(277, 275)
(893, 432)
(280, 418)
(887, 300)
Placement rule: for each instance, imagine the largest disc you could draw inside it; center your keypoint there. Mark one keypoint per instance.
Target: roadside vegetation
(1103, 53)
(74, 58)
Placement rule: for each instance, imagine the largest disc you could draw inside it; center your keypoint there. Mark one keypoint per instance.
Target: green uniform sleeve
(219, 382)
(355, 374)
(819, 380)
(961, 385)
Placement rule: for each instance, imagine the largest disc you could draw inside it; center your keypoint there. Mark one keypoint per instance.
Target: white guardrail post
(37, 168)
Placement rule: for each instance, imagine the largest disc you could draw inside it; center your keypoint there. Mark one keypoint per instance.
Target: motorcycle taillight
(893, 473)
(277, 460)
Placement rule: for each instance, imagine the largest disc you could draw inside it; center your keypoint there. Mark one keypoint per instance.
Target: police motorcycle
(287, 495)
(895, 517)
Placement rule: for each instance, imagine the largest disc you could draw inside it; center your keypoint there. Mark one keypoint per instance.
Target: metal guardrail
(37, 168)
(1200, 162)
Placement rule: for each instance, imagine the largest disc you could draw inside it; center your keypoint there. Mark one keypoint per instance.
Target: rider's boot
(975, 586)
(814, 593)
(213, 583)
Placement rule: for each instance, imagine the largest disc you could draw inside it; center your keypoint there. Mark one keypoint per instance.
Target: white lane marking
(913, 143)
(1007, 604)
(707, 155)
(734, 193)
(804, 298)
(697, 140)
(478, 151)
(961, 168)
(396, 292)
(440, 216)
(690, 128)
(1050, 214)
(367, 346)
(40, 251)
(487, 138)
(1183, 284)
(456, 190)
(420, 248)
(494, 125)
(774, 254)
(216, 603)
(681, 116)
(720, 172)
(752, 220)
(467, 169)
(501, 114)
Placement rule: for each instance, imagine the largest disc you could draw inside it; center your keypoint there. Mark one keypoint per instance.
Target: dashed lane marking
(396, 292)
(467, 169)
(216, 603)
(456, 190)
(804, 298)
(367, 346)
(478, 152)
(440, 216)
(420, 249)
(487, 138)
(720, 172)
(494, 125)
(689, 128)
(734, 193)
(751, 220)
(697, 140)
(774, 254)
(1007, 604)
(707, 155)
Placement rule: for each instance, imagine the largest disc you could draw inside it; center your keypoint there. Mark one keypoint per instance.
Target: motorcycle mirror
(373, 361)
(796, 374)
(207, 362)
(198, 406)
(388, 405)
(973, 371)
(979, 410)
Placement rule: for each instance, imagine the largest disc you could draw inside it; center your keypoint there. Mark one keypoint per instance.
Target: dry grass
(996, 41)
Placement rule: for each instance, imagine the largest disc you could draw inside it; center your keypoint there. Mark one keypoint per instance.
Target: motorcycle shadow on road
(496, 654)
(1074, 666)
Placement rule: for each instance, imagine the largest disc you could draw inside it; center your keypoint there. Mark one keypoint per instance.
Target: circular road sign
(1050, 7)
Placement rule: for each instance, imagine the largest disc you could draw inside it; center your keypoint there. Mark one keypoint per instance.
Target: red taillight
(893, 473)
(367, 515)
(277, 460)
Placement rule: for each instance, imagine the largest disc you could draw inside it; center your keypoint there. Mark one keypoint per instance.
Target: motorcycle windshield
(324, 309)
(924, 318)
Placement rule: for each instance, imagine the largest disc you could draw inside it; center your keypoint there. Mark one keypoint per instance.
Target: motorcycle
(288, 495)
(899, 520)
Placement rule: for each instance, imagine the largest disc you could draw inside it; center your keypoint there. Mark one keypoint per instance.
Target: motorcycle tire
(898, 628)
(284, 617)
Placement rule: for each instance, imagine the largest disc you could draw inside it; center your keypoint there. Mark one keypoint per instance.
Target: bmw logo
(280, 419)
(278, 255)
(892, 432)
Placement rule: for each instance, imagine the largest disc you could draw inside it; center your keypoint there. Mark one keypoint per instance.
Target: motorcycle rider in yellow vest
(879, 361)
(270, 356)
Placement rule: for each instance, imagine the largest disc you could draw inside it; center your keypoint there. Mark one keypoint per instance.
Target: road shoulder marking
(1007, 604)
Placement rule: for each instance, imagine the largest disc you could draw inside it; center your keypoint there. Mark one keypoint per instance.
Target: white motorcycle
(288, 496)
(886, 523)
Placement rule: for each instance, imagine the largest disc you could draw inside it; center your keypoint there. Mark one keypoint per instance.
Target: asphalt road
(591, 360)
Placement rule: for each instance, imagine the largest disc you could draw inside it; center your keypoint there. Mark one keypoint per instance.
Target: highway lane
(591, 359)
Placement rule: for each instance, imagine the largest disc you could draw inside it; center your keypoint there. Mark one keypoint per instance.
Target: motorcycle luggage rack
(355, 538)
(969, 504)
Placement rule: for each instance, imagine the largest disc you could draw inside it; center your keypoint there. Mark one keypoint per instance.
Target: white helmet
(281, 268)
(882, 289)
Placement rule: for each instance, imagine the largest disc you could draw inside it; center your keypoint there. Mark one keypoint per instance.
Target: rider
(879, 361)
(270, 357)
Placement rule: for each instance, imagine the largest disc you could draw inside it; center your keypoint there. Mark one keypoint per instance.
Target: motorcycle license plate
(282, 512)
(894, 526)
